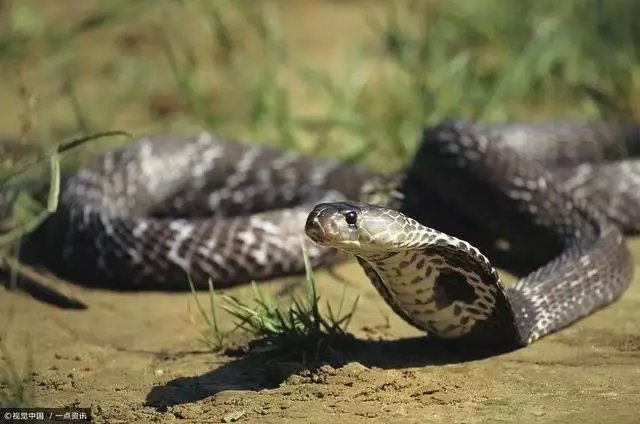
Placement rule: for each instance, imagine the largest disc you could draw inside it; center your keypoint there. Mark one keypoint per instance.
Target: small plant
(300, 328)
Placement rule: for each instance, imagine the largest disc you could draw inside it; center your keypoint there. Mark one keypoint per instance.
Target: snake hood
(434, 281)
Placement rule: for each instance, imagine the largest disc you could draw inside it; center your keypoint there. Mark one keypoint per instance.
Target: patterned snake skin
(555, 195)
(547, 202)
(168, 208)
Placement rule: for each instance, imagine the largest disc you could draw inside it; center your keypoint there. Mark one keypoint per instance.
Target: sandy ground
(138, 357)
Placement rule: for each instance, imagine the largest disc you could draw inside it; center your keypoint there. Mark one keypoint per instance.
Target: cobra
(557, 198)
(487, 182)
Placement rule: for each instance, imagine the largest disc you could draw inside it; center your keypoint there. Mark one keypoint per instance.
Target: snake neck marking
(437, 283)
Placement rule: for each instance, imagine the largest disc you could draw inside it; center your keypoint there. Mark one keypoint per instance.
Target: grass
(234, 71)
(358, 91)
(300, 329)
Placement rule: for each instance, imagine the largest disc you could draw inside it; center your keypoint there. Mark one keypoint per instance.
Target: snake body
(559, 196)
(514, 182)
(168, 210)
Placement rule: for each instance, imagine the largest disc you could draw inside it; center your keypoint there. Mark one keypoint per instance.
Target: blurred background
(353, 79)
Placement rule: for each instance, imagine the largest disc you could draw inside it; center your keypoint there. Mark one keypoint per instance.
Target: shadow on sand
(255, 371)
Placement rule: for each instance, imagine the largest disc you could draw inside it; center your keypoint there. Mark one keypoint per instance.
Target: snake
(557, 198)
(549, 202)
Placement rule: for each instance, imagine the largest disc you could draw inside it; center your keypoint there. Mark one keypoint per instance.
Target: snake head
(358, 228)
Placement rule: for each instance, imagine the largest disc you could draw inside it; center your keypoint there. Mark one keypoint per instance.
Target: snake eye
(351, 217)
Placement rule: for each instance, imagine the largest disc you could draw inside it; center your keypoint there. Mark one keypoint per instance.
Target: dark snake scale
(548, 202)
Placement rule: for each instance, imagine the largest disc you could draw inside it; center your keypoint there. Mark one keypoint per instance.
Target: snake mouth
(328, 224)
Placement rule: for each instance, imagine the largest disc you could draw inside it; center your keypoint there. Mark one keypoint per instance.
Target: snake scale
(549, 202)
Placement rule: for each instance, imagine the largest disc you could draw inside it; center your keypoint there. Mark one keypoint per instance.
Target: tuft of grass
(300, 329)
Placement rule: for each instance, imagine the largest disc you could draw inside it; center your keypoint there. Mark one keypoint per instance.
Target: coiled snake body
(548, 202)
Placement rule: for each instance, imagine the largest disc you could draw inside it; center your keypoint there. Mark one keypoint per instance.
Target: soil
(139, 357)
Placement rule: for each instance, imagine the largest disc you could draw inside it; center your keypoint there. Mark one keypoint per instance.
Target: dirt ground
(138, 357)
